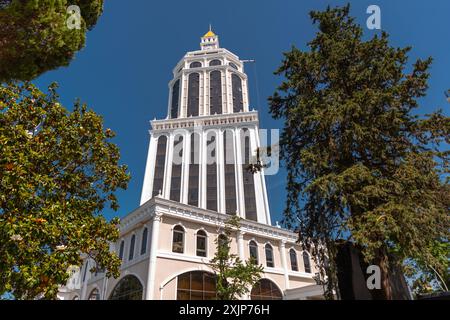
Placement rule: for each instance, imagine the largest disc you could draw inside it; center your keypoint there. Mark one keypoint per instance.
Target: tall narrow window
(201, 243)
(249, 183)
(175, 99)
(269, 256)
(230, 182)
(122, 245)
(293, 256)
(178, 239)
(253, 247)
(211, 174)
(194, 170)
(160, 162)
(215, 92)
(236, 83)
(132, 243)
(175, 184)
(193, 94)
(144, 241)
(306, 262)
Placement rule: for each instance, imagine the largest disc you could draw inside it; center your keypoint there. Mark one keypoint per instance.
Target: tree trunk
(386, 285)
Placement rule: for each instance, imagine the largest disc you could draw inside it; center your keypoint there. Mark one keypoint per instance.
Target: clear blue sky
(123, 71)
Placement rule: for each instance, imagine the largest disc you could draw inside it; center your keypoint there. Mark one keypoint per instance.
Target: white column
(221, 172)
(185, 168)
(239, 173)
(284, 262)
(263, 182)
(260, 205)
(203, 155)
(183, 95)
(150, 288)
(245, 94)
(147, 188)
(168, 167)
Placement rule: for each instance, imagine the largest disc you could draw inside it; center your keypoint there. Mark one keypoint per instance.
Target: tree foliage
(361, 164)
(235, 278)
(35, 38)
(58, 171)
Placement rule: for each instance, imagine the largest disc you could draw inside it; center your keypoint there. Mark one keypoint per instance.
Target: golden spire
(210, 33)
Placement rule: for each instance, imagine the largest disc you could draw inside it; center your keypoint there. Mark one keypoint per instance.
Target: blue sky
(123, 71)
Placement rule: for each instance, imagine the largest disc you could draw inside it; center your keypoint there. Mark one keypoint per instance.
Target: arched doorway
(128, 288)
(196, 285)
(266, 289)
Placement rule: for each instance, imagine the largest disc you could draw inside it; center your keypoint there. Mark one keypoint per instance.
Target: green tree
(235, 278)
(361, 165)
(35, 38)
(58, 171)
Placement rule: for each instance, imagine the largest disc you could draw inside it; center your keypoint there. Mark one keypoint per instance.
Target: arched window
(195, 64)
(95, 295)
(128, 288)
(201, 243)
(249, 182)
(178, 239)
(196, 285)
(236, 83)
(230, 182)
(306, 262)
(121, 248)
(215, 62)
(293, 256)
(175, 99)
(269, 256)
(253, 248)
(194, 170)
(175, 185)
(160, 162)
(233, 65)
(193, 94)
(211, 173)
(132, 243)
(265, 289)
(215, 92)
(144, 241)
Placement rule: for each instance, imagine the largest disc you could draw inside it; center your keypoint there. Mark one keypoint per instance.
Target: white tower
(199, 154)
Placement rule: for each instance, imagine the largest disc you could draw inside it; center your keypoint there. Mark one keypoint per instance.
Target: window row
(178, 245)
(215, 94)
(215, 62)
(230, 174)
(132, 245)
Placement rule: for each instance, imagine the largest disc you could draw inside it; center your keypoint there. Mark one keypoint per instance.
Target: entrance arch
(196, 285)
(128, 288)
(266, 289)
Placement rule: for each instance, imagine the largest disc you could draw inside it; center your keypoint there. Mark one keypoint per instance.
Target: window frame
(203, 234)
(180, 230)
(268, 248)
